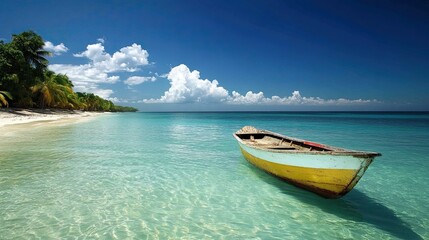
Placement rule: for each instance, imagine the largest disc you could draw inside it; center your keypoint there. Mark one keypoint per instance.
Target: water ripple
(181, 176)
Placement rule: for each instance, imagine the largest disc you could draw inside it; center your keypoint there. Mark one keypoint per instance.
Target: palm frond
(3, 101)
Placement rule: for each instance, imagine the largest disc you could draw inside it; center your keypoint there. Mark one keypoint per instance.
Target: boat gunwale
(330, 149)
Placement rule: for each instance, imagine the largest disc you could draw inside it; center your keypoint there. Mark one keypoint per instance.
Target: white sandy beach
(13, 117)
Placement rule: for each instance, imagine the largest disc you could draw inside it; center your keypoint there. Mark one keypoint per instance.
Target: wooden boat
(328, 171)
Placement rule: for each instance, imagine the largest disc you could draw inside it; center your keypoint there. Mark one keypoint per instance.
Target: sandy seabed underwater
(181, 175)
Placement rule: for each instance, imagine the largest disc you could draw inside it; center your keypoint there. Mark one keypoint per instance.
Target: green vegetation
(26, 82)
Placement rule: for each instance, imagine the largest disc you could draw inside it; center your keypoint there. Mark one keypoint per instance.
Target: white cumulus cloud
(126, 59)
(249, 98)
(187, 86)
(104, 93)
(88, 77)
(136, 80)
(294, 99)
(55, 49)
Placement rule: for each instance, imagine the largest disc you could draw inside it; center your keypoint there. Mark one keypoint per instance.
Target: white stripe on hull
(308, 160)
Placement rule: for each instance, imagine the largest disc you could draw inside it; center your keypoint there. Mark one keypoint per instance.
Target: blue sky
(236, 55)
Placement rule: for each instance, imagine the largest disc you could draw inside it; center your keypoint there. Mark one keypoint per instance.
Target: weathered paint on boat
(328, 171)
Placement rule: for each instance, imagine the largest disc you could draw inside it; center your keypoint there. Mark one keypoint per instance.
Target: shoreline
(15, 117)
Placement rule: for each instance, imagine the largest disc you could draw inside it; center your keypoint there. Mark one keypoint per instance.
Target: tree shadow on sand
(356, 206)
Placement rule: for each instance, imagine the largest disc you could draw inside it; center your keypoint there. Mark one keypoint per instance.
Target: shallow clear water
(181, 175)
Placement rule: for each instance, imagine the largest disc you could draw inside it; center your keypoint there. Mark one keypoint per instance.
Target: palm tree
(51, 93)
(31, 46)
(22, 63)
(3, 101)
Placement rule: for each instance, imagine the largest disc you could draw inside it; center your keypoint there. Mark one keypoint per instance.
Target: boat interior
(273, 142)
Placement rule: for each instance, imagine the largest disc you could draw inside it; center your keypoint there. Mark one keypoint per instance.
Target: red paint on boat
(313, 144)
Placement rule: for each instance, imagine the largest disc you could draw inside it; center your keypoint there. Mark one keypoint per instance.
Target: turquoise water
(182, 176)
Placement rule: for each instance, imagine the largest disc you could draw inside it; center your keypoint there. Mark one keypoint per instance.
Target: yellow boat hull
(330, 183)
(328, 171)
